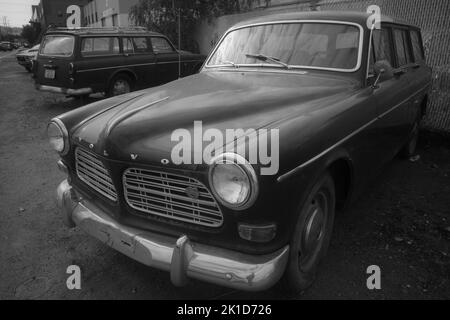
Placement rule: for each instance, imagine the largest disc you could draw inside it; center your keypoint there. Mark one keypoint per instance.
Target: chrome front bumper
(66, 91)
(180, 257)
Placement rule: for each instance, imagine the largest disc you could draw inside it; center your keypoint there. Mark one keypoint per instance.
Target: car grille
(92, 172)
(171, 196)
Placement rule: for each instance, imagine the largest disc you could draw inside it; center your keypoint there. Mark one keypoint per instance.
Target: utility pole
(179, 36)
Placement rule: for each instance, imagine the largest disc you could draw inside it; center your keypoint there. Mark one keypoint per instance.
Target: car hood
(140, 128)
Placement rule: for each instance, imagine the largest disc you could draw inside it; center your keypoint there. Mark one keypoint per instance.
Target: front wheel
(311, 236)
(120, 84)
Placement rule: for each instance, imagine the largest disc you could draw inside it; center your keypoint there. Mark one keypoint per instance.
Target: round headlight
(57, 136)
(233, 181)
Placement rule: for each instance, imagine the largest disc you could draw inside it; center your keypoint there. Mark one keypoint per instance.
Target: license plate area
(49, 74)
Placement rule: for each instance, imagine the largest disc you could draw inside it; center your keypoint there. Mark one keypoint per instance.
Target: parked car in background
(344, 98)
(6, 46)
(27, 57)
(112, 60)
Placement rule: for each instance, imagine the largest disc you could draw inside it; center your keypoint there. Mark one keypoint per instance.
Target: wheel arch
(130, 73)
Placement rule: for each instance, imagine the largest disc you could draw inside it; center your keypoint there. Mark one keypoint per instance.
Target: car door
(393, 95)
(99, 58)
(167, 59)
(140, 59)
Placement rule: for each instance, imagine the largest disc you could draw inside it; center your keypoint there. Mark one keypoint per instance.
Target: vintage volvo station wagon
(345, 99)
(77, 62)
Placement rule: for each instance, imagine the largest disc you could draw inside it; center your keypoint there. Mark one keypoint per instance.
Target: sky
(18, 12)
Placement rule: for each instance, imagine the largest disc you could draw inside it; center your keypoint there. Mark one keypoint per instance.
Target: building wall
(54, 11)
(107, 13)
(431, 15)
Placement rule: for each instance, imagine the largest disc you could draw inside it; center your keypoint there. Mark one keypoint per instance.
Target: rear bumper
(25, 63)
(180, 257)
(66, 91)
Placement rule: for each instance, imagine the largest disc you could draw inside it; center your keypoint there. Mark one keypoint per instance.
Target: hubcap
(313, 230)
(121, 87)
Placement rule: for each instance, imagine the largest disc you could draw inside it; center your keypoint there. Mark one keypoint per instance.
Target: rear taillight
(34, 67)
(71, 69)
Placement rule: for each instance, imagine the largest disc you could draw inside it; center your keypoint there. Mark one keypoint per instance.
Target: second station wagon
(78, 62)
(342, 99)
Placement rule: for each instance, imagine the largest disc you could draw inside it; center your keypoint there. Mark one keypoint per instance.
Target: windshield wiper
(263, 57)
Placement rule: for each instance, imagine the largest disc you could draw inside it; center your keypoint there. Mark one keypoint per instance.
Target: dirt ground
(401, 223)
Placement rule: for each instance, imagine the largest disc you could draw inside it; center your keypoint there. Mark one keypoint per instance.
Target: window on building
(96, 17)
(103, 22)
(115, 20)
(99, 46)
(417, 47)
(161, 45)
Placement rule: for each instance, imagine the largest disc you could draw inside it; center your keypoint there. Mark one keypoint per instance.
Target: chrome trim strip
(320, 155)
(136, 65)
(179, 256)
(360, 49)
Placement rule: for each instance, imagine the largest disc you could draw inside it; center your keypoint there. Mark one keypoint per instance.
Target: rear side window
(402, 48)
(58, 45)
(141, 45)
(127, 45)
(161, 45)
(136, 45)
(417, 47)
(99, 46)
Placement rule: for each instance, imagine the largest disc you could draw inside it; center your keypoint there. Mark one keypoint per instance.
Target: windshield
(58, 45)
(291, 45)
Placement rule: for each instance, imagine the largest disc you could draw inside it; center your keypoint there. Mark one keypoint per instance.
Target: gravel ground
(401, 223)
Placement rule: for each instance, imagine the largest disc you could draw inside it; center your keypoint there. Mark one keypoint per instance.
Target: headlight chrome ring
(65, 135)
(246, 169)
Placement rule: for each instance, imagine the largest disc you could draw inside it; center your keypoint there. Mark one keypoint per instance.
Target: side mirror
(383, 71)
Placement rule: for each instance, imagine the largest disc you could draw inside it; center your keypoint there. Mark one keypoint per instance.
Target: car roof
(345, 16)
(133, 31)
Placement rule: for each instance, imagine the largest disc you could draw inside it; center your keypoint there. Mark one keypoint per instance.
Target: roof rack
(99, 29)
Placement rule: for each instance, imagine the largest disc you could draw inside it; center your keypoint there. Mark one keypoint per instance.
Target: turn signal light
(260, 234)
